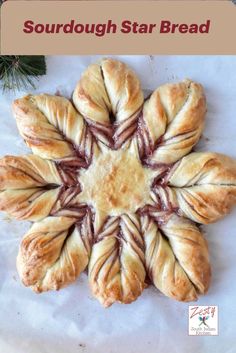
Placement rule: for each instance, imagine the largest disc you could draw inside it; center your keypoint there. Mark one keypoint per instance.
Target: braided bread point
(204, 186)
(173, 119)
(177, 259)
(22, 182)
(52, 128)
(30, 188)
(116, 267)
(109, 89)
(54, 252)
(28, 204)
(27, 172)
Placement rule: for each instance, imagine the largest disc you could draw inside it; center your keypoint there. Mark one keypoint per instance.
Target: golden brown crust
(116, 182)
(116, 267)
(105, 88)
(123, 88)
(30, 204)
(175, 115)
(202, 168)
(45, 122)
(52, 254)
(22, 182)
(205, 186)
(90, 96)
(112, 194)
(177, 258)
(27, 172)
(190, 249)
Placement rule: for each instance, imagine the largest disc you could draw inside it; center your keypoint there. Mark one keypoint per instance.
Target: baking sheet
(72, 321)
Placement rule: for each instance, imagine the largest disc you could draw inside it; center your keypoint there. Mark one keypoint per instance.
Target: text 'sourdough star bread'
(113, 187)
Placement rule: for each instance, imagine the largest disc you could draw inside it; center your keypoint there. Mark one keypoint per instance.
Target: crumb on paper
(7, 218)
(151, 57)
(82, 345)
(58, 93)
(91, 298)
(174, 77)
(153, 67)
(206, 138)
(62, 92)
(202, 229)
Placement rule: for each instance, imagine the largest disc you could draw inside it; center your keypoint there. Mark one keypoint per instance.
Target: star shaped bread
(113, 187)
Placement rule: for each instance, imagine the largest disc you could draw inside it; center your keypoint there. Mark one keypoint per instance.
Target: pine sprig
(17, 72)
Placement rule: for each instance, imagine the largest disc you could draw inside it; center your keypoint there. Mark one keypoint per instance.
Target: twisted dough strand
(22, 186)
(204, 186)
(27, 172)
(66, 204)
(31, 188)
(29, 204)
(53, 129)
(106, 90)
(177, 258)
(116, 268)
(53, 253)
(172, 123)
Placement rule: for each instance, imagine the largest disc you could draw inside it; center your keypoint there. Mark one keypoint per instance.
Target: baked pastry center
(116, 182)
(119, 197)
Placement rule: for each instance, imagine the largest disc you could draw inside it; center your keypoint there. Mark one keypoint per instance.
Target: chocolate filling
(113, 135)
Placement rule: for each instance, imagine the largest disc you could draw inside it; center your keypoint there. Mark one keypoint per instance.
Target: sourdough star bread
(113, 187)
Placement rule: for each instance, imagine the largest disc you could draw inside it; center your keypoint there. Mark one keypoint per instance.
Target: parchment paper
(72, 321)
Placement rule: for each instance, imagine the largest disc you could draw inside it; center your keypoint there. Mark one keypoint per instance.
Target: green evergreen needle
(21, 71)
